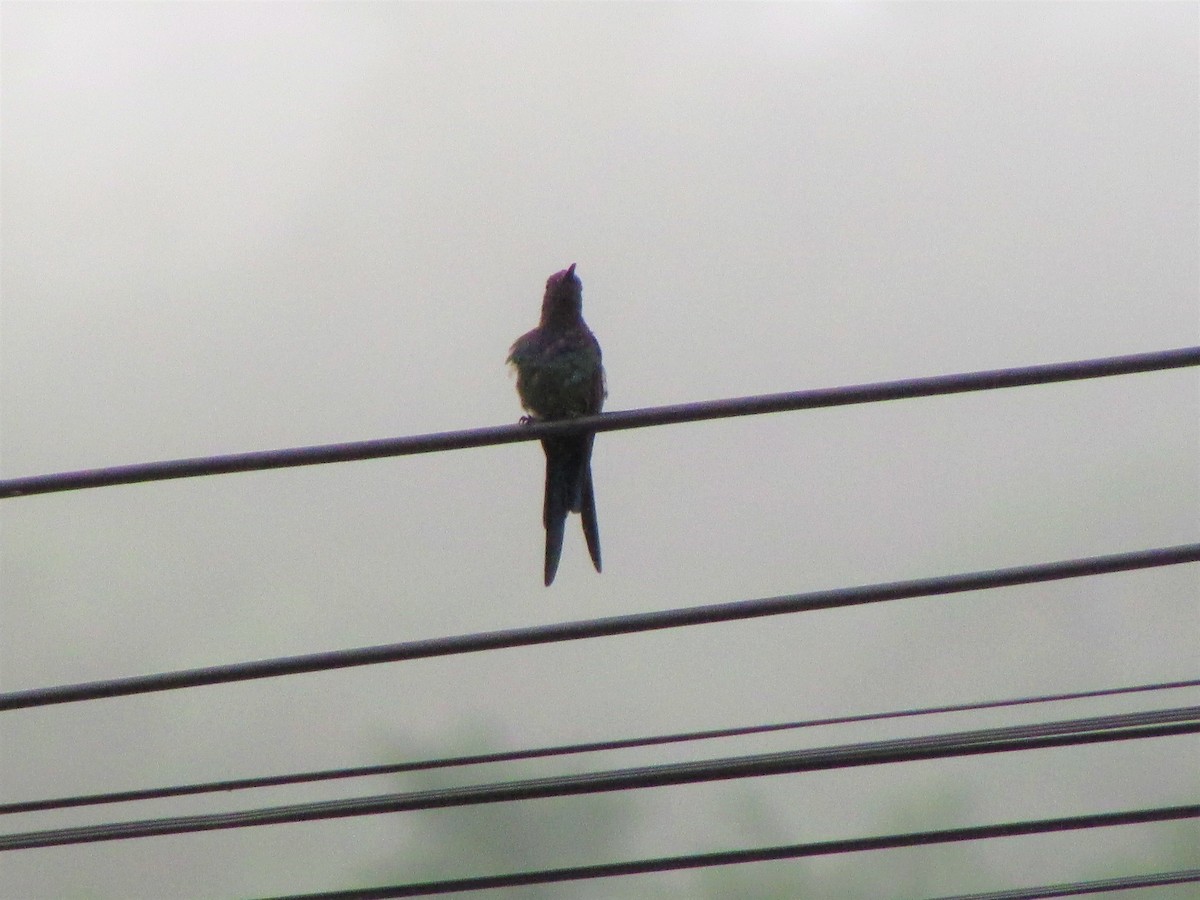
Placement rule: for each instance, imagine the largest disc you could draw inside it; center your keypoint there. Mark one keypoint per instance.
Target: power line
(559, 750)
(636, 418)
(765, 854)
(1097, 729)
(1076, 888)
(602, 627)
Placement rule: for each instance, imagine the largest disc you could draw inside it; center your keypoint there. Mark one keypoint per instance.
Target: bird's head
(564, 296)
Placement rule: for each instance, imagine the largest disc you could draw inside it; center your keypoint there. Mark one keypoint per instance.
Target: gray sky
(230, 227)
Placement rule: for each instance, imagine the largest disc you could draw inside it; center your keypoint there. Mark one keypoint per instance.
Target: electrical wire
(1076, 888)
(559, 750)
(636, 418)
(602, 627)
(765, 854)
(1097, 729)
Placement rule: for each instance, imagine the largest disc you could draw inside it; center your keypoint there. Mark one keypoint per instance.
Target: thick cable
(1078, 888)
(603, 627)
(1097, 729)
(263, 781)
(766, 854)
(635, 418)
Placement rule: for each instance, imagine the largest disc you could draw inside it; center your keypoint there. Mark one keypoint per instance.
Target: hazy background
(230, 227)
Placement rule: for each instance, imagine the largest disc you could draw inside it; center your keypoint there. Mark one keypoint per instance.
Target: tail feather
(554, 539)
(559, 489)
(568, 489)
(591, 528)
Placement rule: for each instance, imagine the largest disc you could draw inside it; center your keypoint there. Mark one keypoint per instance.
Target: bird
(560, 376)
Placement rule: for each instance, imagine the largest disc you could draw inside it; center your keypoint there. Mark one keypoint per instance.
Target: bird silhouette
(560, 376)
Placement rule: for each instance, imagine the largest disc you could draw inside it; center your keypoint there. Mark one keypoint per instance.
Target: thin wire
(1076, 888)
(1097, 729)
(636, 418)
(603, 627)
(765, 854)
(559, 750)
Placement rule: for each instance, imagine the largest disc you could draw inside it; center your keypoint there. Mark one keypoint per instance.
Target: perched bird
(559, 376)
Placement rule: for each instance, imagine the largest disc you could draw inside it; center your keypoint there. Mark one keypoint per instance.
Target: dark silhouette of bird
(560, 376)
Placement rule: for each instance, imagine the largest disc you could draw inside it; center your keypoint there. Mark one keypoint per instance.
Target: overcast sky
(231, 227)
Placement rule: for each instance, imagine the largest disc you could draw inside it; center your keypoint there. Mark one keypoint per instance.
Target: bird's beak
(571, 270)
